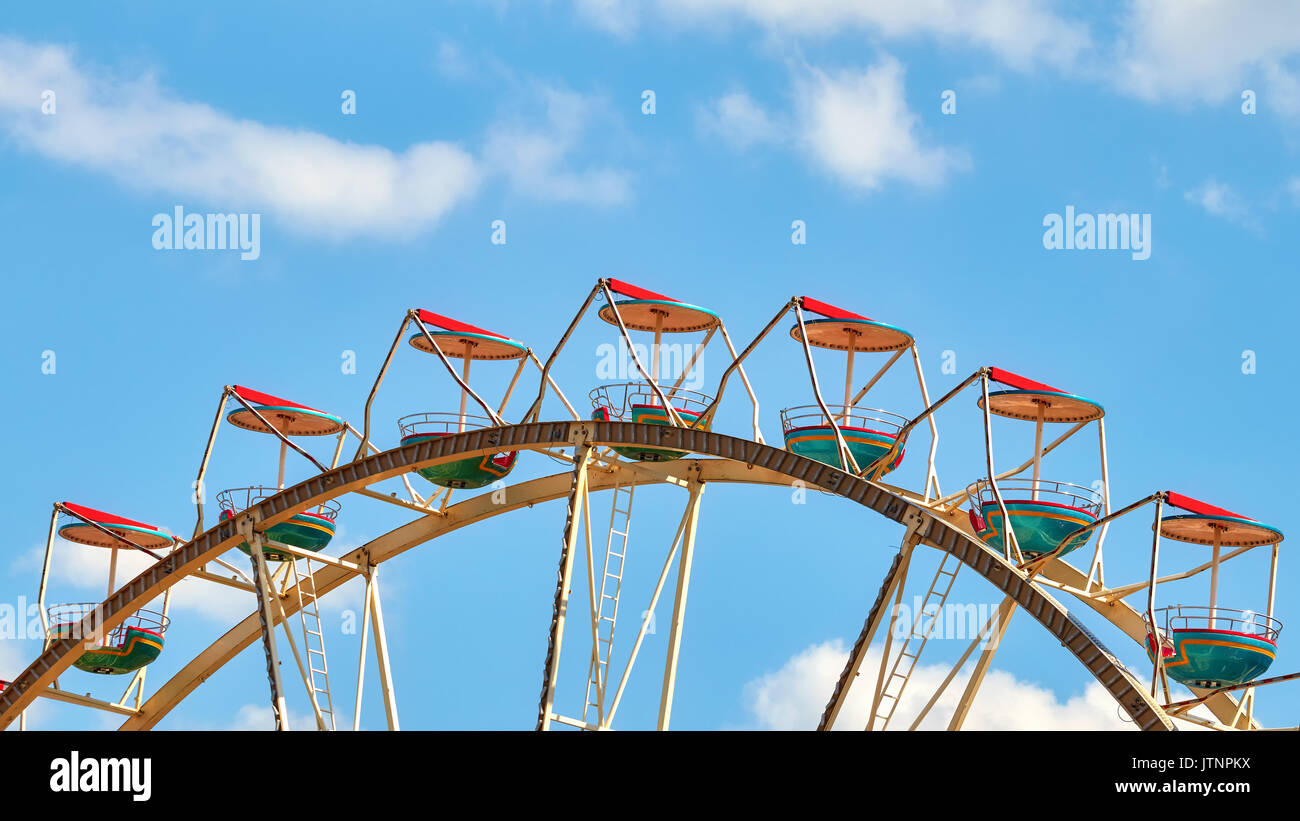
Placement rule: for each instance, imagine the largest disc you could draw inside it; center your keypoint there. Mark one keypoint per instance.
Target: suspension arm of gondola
(737, 362)
(379, 378)
(931, 473)
(536, 408)
(284, 440)
(1157, 641)
(669, 411)
(1057, 442)
(45, 572)
(207, 454)
(514, 380)
(1116, 593)
(1038, 563)
(744, 378)
(1010, 544)
(846, 456)
(690, 363)
(60, 507)
(464, 386)
(921, 417)
(549, 380)
(1095, 564)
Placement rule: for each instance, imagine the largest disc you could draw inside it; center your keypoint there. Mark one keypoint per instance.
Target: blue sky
(764, 113)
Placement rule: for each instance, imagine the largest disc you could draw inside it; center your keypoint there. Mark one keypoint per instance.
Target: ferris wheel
(1024, 532)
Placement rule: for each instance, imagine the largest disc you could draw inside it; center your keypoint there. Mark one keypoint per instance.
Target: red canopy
(101, 518)
(618, 286)
(1018, 381)
(1187, 503)
(827, 310)
(259, 398)
(452, 325)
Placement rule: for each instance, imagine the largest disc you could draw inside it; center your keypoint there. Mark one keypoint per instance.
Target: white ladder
(309, 615)
(607, 610)
(931, 607)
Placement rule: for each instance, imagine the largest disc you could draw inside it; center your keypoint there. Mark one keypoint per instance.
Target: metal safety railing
(846, 416)
(1177, 617)
(65, 622)
(439, 423)
(1039, 490)
(620, 399)
(234, 500)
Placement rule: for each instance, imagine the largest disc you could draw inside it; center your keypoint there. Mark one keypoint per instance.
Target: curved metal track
(742, 460)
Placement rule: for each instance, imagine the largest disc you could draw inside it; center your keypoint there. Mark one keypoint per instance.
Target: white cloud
(142, 136)
(859, 127)
(854, 125)
(1202, 51)
(1220, 200)
(618, 17)
(1210, 50)
(793, 698)
(1021, 32)
(535, 160)
(80, 573)
(261, 717)
(739, 121)
(451, 62)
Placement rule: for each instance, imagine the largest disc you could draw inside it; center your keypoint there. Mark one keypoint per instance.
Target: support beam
(879, 691)
(645, 621)
(679, 605)
(261, 577)
(302, 670)
(86, 701)
(578, 489)
(361, 656)
(894, 578)
(381, 651)
(1005, 611)
(961, 662)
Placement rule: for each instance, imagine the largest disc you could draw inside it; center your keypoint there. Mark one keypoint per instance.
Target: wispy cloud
(859, 127)
(255, 717)
(618, 17)
(1220, 200)
(740, 122)
(141, 135)
(1161, 50)
(855, 125)
(1023, 33)
(84, 571)
(145, 137)
(537, 160)
(794, 696)
(1211, 52)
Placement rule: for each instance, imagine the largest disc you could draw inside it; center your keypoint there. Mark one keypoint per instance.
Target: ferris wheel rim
(937, 532)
